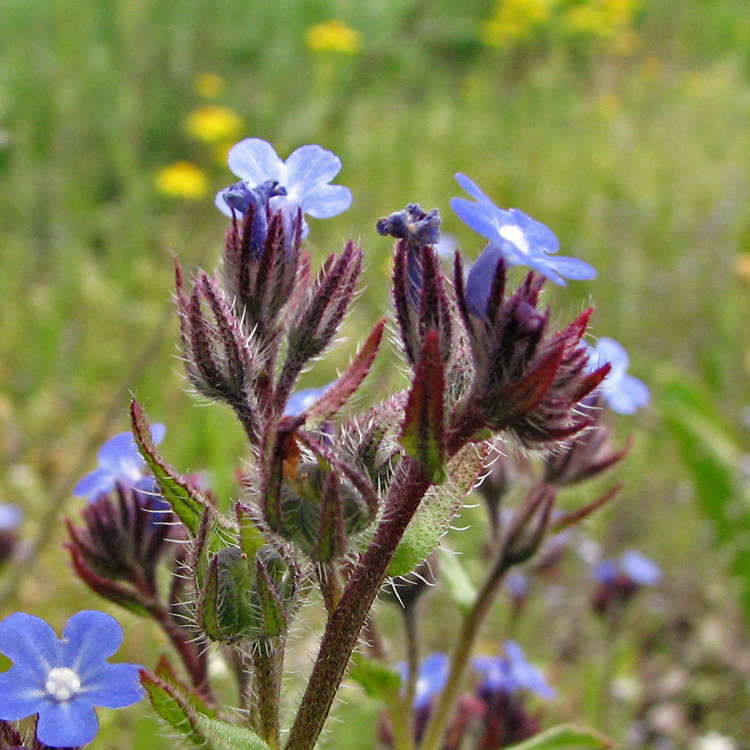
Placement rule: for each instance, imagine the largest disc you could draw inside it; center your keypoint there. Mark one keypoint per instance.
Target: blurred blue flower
(433, 674)
(633, 568)
(120, 462)
(510, 673)
(302, 180)
(10, 517)
(623, 393)
(62, 679)
(304, 399)
(515, 237)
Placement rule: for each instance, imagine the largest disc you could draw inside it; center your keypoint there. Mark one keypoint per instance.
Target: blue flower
(302, 400)
(302, 180)
(119, 462)
(431, 679)
(515, 237)
(633, 568)
(62, 679)
(511, 673)
(623, 393)
(10, 517)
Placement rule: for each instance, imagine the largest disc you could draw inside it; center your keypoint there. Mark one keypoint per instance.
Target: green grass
(640, 164)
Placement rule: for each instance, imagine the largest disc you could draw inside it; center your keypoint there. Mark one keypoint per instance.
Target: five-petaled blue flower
(515, 237)
(431, 678)
(302, 180)
(119, 463)
(623, 393)
(511, 673)
(62, 679)
(635, 568)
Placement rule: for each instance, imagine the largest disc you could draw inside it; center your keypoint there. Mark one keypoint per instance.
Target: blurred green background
(623, 125)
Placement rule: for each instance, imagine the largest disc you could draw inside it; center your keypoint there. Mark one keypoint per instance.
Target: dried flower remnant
(62, 679)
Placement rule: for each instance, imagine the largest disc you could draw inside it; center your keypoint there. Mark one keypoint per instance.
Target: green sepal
(187, 502)
(566, 737)
(423, 429)
(271, 607)
(439, 506)
(165, 672)
(251, 538)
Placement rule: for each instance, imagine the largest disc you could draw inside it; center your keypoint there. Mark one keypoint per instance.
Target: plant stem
(443, 711)
(268, 661)
(343, 627)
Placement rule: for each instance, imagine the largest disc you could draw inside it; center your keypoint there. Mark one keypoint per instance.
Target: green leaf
(452, 574)
(186, 501)
(423, 432)
(440, 505)
(566, 737)
(377, 679)
(218, 735)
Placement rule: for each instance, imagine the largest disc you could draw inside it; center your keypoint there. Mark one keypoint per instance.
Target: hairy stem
(268, 661)
(343, 627)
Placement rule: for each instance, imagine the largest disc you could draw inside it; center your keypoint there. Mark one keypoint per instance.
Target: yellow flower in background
(742, 268)
(333, 36)
(209, 85)
(514, 20)
(213, 124)
(601, 17)
(182, 180)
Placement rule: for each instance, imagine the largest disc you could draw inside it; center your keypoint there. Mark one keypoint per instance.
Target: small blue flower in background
(433, 674)
(304, 399)
(302, 180)
(10, 517)
(62, 679)
(119, 463)
(511, 673)
(623, 393)
(633, 567)
(515, 237)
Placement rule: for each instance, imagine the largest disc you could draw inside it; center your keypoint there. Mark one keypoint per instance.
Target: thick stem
(268, 662)
(343, 628)
(443, 711)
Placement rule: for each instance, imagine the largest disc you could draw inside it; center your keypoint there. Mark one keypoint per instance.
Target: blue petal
(640, 569)
(121, 446)
(221, 204)
(307, 168)
(471, 188)
(255, 161)
(433, 674)
(88, 639)
(10, 516)
(480, 278)
(29, 642)
(68, 723)
(116, 686)
(97, 482)
(629, 395)
(326, 201)
(303, 400)
(20, 689)
(538, 236)
(572, 268)
(158, 431)
(605, 571)
(544, 266)
(609, 351)
(478, 217)
(496, 674)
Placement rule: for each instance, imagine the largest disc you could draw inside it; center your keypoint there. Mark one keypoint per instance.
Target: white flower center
(62, 683)
(513, 233)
